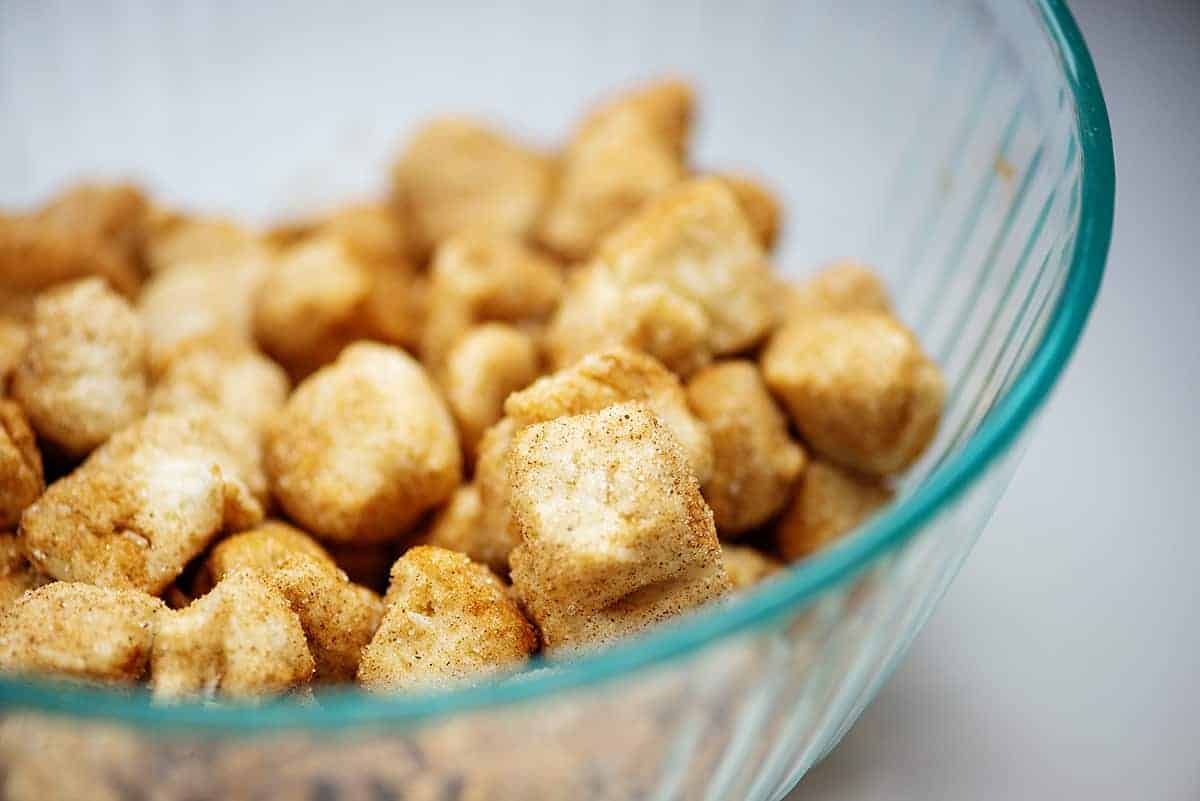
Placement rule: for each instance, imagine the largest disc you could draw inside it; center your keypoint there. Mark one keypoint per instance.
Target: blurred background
(1063, 663)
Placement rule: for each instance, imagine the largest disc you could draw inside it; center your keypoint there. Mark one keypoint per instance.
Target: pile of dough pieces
(528, 402)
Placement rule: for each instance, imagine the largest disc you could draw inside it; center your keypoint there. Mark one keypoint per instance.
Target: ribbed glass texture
(961, 147)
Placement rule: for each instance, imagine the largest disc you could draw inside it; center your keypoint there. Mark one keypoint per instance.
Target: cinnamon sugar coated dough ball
(226, 374)
(615, 376)
(79, 631)
(625, 152)
(141, 507)
(240, 640)
(747, 566)
(89, 230)
(460, 526)
(311, 306)
(16, 573)
(486, 365)
(829, 502)
(456, 174)
(762, 209)
(480, 277)
(755, 462)
(695, 240)
(21, 481)
(447, 620)
(191, 300)
(615, 534)
(363, 447)
(338, 616)
(14, 334)
(597, 313)
(83, 375)
(213, 241)
(843, 286)
(491, 534)
(858, 387)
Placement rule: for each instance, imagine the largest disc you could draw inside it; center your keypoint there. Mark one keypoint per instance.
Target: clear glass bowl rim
(804, 582)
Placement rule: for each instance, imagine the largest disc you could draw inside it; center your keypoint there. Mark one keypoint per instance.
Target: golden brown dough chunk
(363, 447)
(858, 387)
(242, 639)
(844, 286)
(117, 213)
(83, 375)
(338, 616)
(16, 573)
(200, 241)
(447, 620)
(747, 566)
(141, 506)
(14, 334)
(79, 631)
(829, 502)
(626, 151)
(755, 461)
(203, 295)
(378, 239)
(598, 313)
(89, 230)
(695, 240)
(460, 526)
(494, 538)
(21, 480)
(483, 277)
(762, 209)
(486, 365)
(312, 306)
(223, 373)
(456, 174)
(615, 376)
(615, 534)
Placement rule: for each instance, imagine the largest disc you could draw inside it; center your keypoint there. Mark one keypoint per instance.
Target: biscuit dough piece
(16, 573)
(747, 566)
(480, 277)
(763, 210)
(447, 620)
(695, 240)
(829, 502)
(363, 447)
(457, 174)
(460, 526)
(203, 241)
(598, 313)
(240, 640)
(226, 374)
(83, 375)
(79, 631)
(615, 534)
(755, 462)
(625, 152)
(141, 506)
(843, 286)
(337, 615)
(486, 365)
(192, 300)
(614, 376)
(21, 481)
(858, 387)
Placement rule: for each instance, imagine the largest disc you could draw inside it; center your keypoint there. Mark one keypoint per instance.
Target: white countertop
(1065, 660)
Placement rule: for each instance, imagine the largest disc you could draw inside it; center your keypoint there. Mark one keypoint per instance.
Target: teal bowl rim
(343, 708)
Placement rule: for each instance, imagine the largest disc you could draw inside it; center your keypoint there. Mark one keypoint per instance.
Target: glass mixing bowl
(962, 147)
